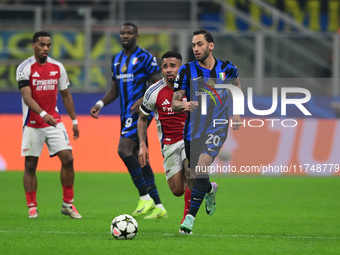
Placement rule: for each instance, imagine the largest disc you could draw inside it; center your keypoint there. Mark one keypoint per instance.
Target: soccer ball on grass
(124, 227)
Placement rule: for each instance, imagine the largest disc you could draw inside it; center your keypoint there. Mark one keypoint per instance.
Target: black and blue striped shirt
(197, 80)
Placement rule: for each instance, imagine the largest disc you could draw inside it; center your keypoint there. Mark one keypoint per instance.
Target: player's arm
(142, 126)
(178, 104)
(135, 107)
(69, 106)
(236, 118)
(109, 97)
(26, 94)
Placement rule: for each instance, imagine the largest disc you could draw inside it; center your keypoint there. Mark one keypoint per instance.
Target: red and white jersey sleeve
(170, 124)
(44, 81)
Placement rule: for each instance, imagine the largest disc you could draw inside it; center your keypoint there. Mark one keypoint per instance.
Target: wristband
(42, 114)
(75, 122)
(100, 103)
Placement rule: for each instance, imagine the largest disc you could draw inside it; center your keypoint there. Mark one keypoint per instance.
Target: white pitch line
(265, 236)
(174, 234)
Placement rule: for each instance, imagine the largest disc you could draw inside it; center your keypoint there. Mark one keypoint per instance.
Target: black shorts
(209, 144)
(128, 127)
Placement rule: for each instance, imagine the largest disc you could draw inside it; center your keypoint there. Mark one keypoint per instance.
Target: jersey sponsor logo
(116, 64)
(45, 82)
(196, 78)
(24, 150)
(126, 77)
(53, 73)
(125, 132)
(43, 85)
(36, 74)
(166, 101)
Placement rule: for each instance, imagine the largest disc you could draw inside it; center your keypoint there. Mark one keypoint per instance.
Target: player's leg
(126, 150)
(200, 188)
(177, 183)
(30, 185)
(189, 181)
(196, 159)
(58, 144)
(151, 186)
(174, 155)
(67, 181)
(32, 143)
(187, 199)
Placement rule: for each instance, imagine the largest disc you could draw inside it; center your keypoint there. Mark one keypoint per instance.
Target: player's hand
(75, 129)
(143, 155)
(95, 111)
(50, 120)
(236, 122)
(193, 105)
(135, 107)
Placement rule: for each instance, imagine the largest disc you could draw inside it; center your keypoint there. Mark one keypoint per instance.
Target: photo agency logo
(216, 91)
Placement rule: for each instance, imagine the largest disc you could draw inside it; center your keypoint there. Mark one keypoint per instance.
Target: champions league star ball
(124, 227)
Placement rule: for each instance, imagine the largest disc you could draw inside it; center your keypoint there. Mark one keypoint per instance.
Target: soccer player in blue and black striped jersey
(132, 68)
(206, 103)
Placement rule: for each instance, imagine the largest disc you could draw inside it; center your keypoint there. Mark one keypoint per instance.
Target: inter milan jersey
(132, 74)
(45, 81)
(170, 124)
(198, 81)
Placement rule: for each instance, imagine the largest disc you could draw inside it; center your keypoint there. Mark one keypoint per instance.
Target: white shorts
(33, 140)
(173, 154)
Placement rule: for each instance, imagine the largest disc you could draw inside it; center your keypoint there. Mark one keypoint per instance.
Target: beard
(129, 45)
(204, 55)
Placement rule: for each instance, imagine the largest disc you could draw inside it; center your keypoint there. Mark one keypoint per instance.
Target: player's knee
(123, 153)
(30, 167)
(177, 191)
(67, 161)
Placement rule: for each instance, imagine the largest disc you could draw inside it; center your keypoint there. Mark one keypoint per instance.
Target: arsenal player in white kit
(170, 126)
(39, 79)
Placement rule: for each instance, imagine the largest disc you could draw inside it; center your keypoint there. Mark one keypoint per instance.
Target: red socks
(68, 194)
(31, 198)
(187, 197)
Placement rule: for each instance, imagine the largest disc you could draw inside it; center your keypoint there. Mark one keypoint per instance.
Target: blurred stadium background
(274, 43)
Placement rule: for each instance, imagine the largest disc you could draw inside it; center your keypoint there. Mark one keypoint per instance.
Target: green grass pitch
(254, 216)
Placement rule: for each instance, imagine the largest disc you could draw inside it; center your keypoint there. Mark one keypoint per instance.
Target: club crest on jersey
(134, 61)
(211, 83)
(124, 68)
(53, 73)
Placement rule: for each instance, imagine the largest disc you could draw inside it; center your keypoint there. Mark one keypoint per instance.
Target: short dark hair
(38, 34)
(172, 54)
(130, 24)
(207, 35)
